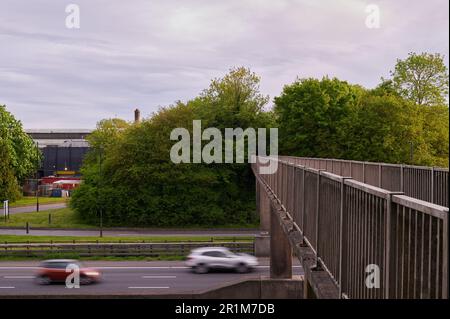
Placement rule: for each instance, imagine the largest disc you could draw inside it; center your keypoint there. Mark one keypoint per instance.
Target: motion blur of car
(54, 270)
(201, 260)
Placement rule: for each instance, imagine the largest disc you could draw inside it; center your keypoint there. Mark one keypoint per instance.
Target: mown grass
(60, 218)
(31, 201)
(96, 258)
(128, 239)
(67, 218)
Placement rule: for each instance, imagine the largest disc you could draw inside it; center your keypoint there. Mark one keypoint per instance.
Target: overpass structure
(359, 229)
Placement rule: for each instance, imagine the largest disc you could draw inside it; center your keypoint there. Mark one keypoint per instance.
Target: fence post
(379, 175)
(364, 172)
(445, 257)
(432, 185)
(401, 178)
(27, 228)
(6, 209)
(303, 203)
(318, 218)
(49, 219)
(387, 231)
(387, 248)
(342, 233)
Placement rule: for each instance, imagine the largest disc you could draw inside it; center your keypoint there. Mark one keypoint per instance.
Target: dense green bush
(138, 185)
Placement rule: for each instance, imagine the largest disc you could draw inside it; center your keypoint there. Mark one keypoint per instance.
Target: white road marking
(158, 277)
(18, 277)
(7, 287)
(148, 287)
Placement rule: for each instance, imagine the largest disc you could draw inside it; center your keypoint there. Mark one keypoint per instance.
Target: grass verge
(97, 258)
(67, 218)
(60, 218)
(128, 239)
(31, 201)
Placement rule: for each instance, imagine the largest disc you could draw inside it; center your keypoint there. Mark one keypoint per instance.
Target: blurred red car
(55, 271)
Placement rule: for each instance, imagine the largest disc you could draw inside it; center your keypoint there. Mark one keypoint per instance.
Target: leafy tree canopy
(422, 78)
(18, 155)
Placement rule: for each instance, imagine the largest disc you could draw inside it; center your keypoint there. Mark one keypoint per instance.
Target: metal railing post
(363, 172)
(387, 248)
(379, 175)
(303, 202)
(401, 178)
(432, 185)
(318, 217)
(342, 233)
(445, 257)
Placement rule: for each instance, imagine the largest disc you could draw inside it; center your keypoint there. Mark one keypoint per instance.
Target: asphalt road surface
(32, 209)
(130, 278)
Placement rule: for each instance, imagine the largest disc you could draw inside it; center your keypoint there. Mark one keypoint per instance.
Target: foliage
(18, 155)
(333, 119)
(138, 185)
(311, 115)
(422, 78)
(9, 188)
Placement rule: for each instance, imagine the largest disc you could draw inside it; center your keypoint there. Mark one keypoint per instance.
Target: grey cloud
(151, 53)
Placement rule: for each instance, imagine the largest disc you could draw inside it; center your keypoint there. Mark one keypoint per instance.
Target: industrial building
(63, 150)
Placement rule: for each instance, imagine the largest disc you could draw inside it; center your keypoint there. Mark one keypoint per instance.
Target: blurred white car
(201, 260)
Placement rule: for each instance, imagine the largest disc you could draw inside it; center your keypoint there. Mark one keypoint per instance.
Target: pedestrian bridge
(359, 229)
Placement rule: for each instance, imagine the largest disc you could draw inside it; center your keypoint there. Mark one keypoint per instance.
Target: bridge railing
(425, 183)
(356, 228)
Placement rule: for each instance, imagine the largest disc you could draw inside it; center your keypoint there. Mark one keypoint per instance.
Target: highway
(125, 278)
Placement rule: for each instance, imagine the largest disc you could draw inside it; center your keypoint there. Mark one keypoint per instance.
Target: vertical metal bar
(432, 186)
(430, 249)
(379, 175)
(303, 202)
(341, 235)
(363, 172)
(445, 258)
(317, 217)
(401, 178)
(438, 257)
(388, 243)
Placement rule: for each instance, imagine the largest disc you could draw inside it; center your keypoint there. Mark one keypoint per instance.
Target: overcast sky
(150, 53)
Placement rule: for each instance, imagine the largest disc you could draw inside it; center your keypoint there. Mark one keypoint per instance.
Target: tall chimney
(137, 116)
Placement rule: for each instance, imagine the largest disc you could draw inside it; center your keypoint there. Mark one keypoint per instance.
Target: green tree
(311, 114)
(382, 129)
(139, 185)
(422, 78)
(19, 154)
(9, 188)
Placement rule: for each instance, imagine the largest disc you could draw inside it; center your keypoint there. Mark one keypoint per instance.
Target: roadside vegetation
(60, 218)
(31, 201)
(122, 239)
(66, 218)
(96, 258)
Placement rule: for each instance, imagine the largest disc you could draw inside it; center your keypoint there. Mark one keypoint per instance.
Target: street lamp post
(99, 199)
(37, 176)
